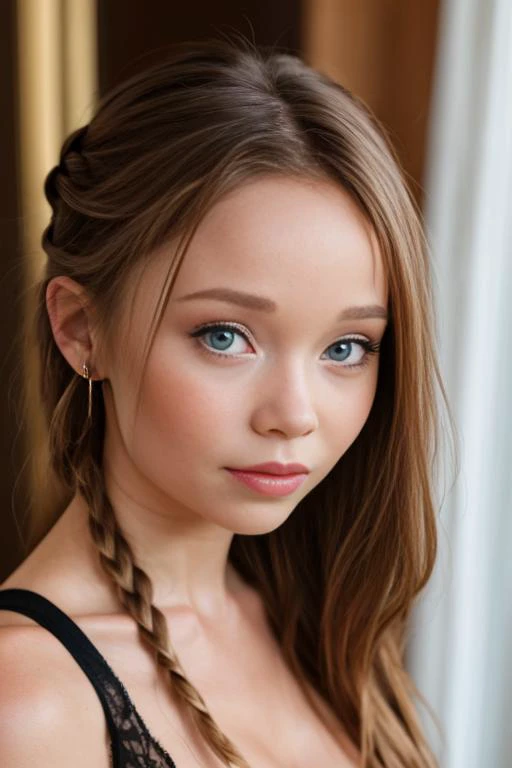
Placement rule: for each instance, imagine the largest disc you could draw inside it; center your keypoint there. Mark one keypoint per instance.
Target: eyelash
(371, 348)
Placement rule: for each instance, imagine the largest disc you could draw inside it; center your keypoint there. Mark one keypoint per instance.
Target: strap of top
(52, 618)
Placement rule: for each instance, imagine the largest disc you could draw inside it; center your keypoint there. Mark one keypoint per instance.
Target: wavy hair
(339, 577)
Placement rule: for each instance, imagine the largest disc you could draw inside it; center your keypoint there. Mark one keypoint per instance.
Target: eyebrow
(252, 301)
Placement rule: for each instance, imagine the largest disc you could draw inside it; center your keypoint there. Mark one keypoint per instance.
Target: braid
(135, 593)
(71, 161)
(62, 187)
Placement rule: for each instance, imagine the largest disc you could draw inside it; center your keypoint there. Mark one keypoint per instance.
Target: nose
(284, 403)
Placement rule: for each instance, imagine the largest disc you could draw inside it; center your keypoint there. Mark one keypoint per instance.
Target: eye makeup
(201, 332)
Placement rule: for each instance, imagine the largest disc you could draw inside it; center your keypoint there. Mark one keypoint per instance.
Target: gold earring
(85, 374)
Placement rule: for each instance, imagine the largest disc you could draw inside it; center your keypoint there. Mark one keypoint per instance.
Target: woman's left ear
(71, 315)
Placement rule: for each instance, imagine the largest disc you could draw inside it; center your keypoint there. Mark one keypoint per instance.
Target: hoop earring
(85, 374)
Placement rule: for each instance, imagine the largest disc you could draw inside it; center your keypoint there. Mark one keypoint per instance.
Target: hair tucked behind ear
(339, 577)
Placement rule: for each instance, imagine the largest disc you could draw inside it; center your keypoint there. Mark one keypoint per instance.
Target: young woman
(238, 370)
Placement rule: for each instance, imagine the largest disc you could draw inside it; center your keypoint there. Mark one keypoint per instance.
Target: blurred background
(438, 75)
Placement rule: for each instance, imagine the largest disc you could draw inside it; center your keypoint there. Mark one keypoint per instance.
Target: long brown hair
(339, 577)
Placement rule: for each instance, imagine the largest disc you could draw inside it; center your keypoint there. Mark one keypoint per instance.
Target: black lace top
(131, 744)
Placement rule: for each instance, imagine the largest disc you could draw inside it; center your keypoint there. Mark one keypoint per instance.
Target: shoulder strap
(52, 618)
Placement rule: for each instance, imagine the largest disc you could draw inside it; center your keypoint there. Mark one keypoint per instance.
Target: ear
(71, 317)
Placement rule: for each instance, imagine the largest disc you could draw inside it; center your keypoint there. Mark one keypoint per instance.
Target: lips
(275, 468)
(271, 478)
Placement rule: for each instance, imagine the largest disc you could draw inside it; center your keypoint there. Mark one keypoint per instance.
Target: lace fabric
(131, 744)
(138, 748)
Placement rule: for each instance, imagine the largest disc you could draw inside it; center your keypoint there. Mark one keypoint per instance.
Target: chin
(260, 520)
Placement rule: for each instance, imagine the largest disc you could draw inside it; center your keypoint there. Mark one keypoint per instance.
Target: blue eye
(221, 338)
(340, 349)
(343, 348)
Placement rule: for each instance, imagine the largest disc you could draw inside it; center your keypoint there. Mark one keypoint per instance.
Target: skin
(280, 395)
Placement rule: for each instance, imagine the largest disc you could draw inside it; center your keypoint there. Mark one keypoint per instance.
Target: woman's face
(274, 378)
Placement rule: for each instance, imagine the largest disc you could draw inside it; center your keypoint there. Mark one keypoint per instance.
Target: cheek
(349, 417)
(181, 412)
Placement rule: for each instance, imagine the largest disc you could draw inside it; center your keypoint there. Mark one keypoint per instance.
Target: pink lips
(272, 478)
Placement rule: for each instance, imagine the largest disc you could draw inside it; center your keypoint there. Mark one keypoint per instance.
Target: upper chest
(252, 696)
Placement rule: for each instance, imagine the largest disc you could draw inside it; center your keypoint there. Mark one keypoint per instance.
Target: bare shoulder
(40, 695)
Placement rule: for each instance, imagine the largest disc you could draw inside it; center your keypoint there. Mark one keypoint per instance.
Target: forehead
(282, 237)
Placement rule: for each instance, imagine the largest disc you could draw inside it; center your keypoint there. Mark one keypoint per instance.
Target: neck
(187, 563)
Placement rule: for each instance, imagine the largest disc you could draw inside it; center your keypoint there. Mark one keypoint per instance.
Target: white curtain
(461, 643)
